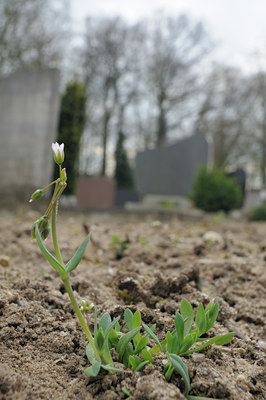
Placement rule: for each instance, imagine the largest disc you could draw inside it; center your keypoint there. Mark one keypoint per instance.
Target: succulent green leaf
(188, 316)
(49, 257)
(181, 368)
(201, 323)
(94, 369)
(90, 354)
(152, 334)
(113, 339)
(105, 321)
(124, 340)
(128, 316)
(75, 260)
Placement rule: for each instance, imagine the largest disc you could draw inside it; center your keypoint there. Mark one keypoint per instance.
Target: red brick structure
(96, 192)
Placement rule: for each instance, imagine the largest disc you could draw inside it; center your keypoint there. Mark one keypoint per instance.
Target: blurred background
(141, 93)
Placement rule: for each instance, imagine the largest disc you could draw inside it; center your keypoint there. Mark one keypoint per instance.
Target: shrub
(214, 191)
(259, 213)
(123, 172)
(71, 125)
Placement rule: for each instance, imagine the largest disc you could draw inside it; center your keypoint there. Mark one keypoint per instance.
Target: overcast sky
(237, 26)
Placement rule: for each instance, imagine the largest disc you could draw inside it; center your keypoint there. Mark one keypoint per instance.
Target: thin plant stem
(80, 317)
(56, 247)
(50, 184)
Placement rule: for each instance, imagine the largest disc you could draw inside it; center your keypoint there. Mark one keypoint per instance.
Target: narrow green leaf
(128, 316)
(219, 340)
(141, 344)
(157, 349)
(212, 315)
(136, 321)
(188, 315)
(109, 367)
(110, 326)
(94, 369)
(99, 340)
(141, 366)
(147, 356)
(201, 320)
(124, 340)
(127, 353)
(95, 322)
(181, 368)
(152, 334)
(49, 257)
(179, 326)
(188, 342)
(75, 260)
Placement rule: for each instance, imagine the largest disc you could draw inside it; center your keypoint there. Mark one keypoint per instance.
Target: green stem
(80, 317)
(56, 248)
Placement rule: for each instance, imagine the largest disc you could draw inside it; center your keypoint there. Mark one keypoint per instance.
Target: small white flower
(58, 151)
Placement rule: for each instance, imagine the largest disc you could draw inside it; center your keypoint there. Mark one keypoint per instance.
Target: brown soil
(42, 346)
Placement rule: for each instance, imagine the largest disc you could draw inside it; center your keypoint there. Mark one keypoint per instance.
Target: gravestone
(29, 107)
(170, 170)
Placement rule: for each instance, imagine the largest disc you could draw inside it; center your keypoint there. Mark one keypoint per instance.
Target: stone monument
(29, 107)
(170, 170)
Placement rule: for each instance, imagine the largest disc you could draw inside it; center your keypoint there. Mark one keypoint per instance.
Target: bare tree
(176, 48)
(256, 123)
(32, 33)
(108, 66)
(224, 112)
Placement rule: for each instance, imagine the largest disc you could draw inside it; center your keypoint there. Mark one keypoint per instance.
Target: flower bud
(45, 232)
(58, 151)
(63, 175)
(36, 195)
(43, 226)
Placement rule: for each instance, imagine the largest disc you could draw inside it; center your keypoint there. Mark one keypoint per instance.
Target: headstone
(29, 106)
(170, 170)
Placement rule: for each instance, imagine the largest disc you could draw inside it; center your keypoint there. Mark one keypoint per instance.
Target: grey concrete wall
(170, 170)
(29, 107)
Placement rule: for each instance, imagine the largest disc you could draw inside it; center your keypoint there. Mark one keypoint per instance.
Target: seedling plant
(133, 346)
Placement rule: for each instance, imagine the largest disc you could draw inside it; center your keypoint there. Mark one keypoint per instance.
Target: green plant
(133, 349)
(97, 349)
(119, 245)
(123, 171)
(133, 346)
(214, 191)
(259, 213)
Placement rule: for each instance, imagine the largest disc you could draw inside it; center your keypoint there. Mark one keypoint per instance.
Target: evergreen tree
(123, 171)
(71, 125)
